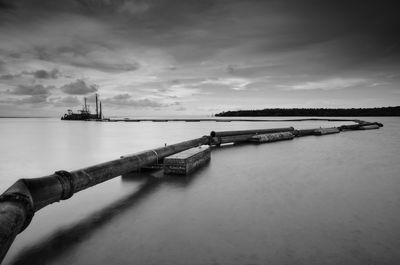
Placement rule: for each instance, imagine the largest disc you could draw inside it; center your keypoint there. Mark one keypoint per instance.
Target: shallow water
(314, 200)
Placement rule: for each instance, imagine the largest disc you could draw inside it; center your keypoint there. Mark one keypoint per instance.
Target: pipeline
(259, 131)
(26, 196)
(19, 203)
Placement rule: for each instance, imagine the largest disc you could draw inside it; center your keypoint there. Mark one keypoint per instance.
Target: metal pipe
(232, 133)
(26, 196)
(303, 132)
(231, 139)
(359, 125)
(12, 219)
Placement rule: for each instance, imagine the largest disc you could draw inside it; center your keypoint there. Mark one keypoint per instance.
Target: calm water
(314, 200)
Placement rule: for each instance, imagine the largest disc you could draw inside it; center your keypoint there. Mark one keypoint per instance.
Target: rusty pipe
(26, 196)
(242, 132)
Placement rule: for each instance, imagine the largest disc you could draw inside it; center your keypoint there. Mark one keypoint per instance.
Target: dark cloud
(2, 65)
(43, 74)
(8, 77)
(126, 100)
(39, 74)
(87, 55)
(6, 4)
(194, 30)
(15, 55)
(33, 90)
(79, 87)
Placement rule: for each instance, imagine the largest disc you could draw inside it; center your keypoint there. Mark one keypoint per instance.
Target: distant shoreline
(319, 112)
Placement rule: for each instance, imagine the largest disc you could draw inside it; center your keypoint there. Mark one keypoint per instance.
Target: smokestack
(97, 107)
(85, 108)
(101, 113)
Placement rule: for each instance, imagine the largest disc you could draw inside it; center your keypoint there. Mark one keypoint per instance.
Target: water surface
(314, 200)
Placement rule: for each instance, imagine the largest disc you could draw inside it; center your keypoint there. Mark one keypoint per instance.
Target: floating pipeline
(249, 132)
(19, 203)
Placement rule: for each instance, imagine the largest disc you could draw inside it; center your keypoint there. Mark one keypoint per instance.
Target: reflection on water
(67, 238)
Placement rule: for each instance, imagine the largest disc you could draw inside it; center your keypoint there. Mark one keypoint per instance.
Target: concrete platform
(185, 162)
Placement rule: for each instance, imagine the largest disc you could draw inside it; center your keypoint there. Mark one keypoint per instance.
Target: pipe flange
(67, 182)
(25, 202)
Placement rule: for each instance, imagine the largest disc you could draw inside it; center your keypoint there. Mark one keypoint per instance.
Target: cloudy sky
(184, 57)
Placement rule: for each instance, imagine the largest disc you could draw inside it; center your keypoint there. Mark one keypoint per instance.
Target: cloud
(8, 76)
(79, 87)
(6, 4)
(43, 74)
(232, 83)
(230, 68)
(178, 90)
(39, 74)
(106, 61)
(31, 90)
(94, 54)
(328, 84)
(181, 108)
(34, 99)
(69, 101)
(2, 64)
(134, 7)
(126, 100)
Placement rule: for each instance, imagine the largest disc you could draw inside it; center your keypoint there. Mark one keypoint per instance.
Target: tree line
(340, 112)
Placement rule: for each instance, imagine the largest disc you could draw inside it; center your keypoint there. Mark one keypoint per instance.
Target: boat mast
(97, 107)
(85, 106)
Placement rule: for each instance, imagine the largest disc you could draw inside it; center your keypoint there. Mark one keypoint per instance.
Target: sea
(331, 199)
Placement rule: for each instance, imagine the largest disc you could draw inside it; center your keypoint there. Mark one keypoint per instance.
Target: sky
(197, 57)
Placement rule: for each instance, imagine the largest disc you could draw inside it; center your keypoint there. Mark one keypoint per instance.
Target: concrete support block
(185, 162)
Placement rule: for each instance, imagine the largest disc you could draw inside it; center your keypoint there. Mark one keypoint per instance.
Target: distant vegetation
(386, 111)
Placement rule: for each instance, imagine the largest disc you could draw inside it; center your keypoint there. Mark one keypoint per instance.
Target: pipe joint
(67, 182)
(26, 203)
